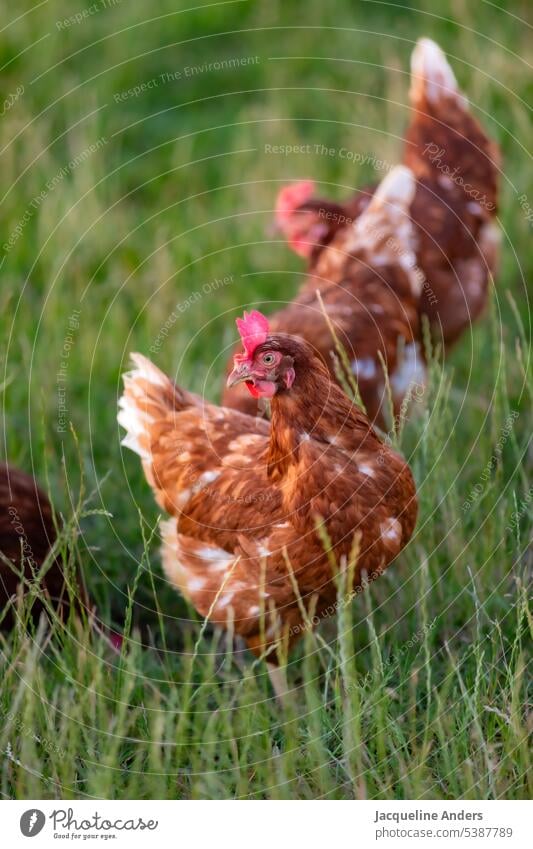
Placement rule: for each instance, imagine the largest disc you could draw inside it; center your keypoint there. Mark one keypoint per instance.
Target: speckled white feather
(431, 74)
(384, 231)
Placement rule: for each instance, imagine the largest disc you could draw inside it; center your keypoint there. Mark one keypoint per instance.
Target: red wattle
(261, 388)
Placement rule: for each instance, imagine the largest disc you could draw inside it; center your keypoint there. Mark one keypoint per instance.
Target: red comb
(253, 329)
(293, 196)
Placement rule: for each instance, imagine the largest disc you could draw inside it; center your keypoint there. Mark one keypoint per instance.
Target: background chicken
(245, 495)
(454, 208)
(27, 536)
(27, 533)
(370, 291)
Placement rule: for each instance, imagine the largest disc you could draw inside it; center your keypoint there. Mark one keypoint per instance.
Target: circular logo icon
(32, 822)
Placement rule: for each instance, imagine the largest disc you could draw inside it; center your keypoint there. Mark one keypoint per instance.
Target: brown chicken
(454, 208)
(27, 533)
(246, 496)
(370, 295)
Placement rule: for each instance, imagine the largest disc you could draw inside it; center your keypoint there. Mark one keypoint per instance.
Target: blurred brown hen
(245, 495)
(454, 208)
(370, 291)
(27, 534)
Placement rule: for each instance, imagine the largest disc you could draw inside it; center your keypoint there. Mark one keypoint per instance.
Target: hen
(27, 536)
(370, 296)
(27, 533)
(454, 208)
(245, 495)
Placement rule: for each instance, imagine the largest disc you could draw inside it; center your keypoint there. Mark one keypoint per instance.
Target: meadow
(141, 149)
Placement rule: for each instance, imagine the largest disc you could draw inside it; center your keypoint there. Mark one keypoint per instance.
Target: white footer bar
(254, 825)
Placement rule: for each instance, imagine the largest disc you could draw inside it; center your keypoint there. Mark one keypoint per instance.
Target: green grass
(418, 689)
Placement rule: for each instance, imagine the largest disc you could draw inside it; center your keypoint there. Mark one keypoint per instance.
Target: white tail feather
(146, 370)
(133, 413)
(431, 75)
(384, 232)
(397, 189)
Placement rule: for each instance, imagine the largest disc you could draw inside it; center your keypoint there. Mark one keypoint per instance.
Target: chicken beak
(240, 372)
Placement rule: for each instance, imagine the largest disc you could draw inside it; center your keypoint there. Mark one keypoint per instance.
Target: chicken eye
(268, 359)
